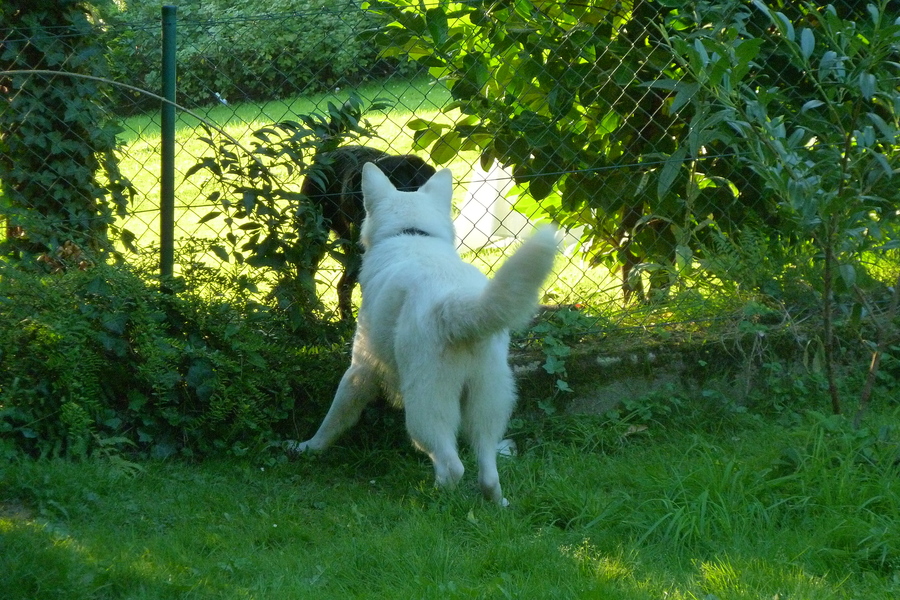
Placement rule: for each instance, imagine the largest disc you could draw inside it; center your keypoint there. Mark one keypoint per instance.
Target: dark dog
(334, 183)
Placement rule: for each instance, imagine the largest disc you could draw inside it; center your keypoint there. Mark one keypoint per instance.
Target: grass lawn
(744, 510)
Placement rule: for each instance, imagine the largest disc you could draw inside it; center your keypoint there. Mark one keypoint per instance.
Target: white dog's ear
(375, 184)
(440, 185)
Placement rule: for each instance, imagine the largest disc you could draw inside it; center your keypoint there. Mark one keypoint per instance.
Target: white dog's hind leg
(488, 406)
(358, 387)
(432, 420)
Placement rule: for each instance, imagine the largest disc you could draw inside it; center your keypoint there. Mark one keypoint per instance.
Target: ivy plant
(59, 173)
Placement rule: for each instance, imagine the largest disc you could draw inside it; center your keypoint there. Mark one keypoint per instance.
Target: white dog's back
(433, 331)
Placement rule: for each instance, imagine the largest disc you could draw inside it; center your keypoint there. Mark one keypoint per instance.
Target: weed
(554, 334)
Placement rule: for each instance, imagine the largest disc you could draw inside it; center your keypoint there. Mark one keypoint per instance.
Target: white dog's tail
(510, 298)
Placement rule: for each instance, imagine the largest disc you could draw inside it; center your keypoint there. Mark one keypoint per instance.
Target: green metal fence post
(167, 158)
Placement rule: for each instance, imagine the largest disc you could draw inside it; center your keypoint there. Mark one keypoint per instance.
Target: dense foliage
(675, 134)
(761, 150)
(824, 147)
(59, 176)
(97, 358)
(596, 107)
(241, 51)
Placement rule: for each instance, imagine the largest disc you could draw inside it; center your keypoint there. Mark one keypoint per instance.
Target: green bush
(101, 357)
(246, 50)
(59, 172)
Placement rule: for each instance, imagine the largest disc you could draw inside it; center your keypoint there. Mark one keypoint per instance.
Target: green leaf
(832, 65)
(747, 50)
(128, 238)
(867, 85)
(807, 42)
(537, 130)
(784, 25)
(446, 148)
(422, 139)
(889, 245)
(476, 70)
(436, 20)
(889, 132)
(421, 124)
(464, 89)
(206, 163)
(209, 217)
(670, 171)
(685, 92)
(220, 252)
(874, 13)
(702, 55)
(560, 101)
(848, 275)
(883, 163)
(811, 104)
(429, 60)
(563, 386)
(486, 160)
(248, 201)
(98, 286)
(541, 185)
(684, 257)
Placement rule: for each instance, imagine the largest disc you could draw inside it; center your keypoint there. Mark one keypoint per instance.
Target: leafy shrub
(825, 147)
(272, 226)
(59, 174)
(99, 355)
(554, 334)
(247, 50)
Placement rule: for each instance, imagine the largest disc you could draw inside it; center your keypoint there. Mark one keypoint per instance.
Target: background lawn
(141, 139)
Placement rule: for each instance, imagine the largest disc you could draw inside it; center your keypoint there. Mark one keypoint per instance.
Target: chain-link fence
(692, 155)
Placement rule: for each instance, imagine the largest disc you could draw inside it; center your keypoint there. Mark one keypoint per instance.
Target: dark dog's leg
(347, 219)
(348, 281)
(318, 187)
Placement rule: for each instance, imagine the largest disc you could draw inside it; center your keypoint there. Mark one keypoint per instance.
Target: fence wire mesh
(628, 123)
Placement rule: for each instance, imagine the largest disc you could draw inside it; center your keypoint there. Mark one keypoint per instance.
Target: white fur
(433, 331)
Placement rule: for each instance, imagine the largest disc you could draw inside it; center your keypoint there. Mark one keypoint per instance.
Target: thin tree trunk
(884, 329)
(829, 326)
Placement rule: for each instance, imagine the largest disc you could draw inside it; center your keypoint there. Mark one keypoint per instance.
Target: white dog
(433, 331)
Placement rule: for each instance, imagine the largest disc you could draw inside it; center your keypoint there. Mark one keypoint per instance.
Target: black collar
(413, 231)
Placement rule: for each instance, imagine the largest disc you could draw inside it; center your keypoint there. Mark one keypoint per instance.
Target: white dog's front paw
(296, 447)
